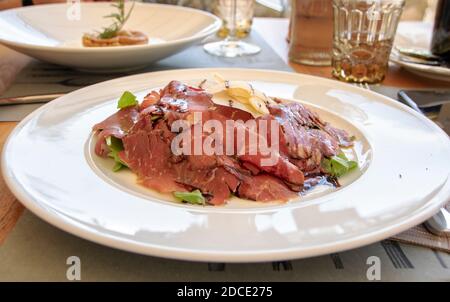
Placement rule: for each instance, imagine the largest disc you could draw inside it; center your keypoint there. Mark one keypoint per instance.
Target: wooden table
(272, 30)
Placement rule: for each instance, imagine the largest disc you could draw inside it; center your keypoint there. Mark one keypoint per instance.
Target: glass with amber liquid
(364, 31)
(243, 20)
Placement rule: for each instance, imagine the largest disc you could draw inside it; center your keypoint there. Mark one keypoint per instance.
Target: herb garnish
(127, 100)
(119, 20)
(194, 197)
(115, 146)
(338, 165)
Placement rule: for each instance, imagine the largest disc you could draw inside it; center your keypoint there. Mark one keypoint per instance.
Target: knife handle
(405, 98)
(30, 99)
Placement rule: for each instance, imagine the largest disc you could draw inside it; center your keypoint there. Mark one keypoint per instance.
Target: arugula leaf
(194, 197)
(127, 100)
(115, 146)
(338, 165)
(117, 166)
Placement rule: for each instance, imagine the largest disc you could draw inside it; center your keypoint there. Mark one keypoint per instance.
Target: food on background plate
(304, 149)
(115, 34)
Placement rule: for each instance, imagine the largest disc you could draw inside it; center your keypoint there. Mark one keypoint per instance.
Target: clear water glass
(235, 14)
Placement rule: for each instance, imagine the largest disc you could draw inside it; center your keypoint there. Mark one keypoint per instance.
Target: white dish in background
(47, 163)
(417, 35)
(45, 32)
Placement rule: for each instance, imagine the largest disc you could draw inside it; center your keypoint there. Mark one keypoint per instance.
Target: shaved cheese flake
(241, 93)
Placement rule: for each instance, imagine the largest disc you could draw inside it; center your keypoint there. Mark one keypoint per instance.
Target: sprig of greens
(338, 165)
(119, 20)
(115, 146)
(127, 100)
(194, 197)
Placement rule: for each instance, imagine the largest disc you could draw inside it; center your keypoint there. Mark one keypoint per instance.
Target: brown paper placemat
(37, 251)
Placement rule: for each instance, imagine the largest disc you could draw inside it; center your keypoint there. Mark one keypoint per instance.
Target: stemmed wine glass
(231, 46)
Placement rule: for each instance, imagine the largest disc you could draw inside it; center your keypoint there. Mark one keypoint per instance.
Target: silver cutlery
(418, 56)
(30, 99)
(438, 224)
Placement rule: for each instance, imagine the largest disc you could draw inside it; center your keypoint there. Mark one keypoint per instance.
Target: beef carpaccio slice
(145, 131)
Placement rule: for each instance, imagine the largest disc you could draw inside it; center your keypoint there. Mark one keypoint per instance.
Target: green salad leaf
(194, 197)
(127, 100)
(115, 146)
(338, 165)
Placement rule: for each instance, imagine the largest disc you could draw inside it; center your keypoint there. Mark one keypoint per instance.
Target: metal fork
(439, 224)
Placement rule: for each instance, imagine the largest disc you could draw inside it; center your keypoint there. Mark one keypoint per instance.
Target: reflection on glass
(233, 12)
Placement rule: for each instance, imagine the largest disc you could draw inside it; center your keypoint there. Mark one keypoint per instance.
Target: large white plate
(417, 35)
(48, 165)
(47, 33)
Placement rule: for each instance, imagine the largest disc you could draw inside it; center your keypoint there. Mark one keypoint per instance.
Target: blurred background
(415, 10)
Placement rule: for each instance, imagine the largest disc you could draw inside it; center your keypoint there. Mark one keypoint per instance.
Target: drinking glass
(362, 40)
(311, 32)
(235, 15)
(244, 17)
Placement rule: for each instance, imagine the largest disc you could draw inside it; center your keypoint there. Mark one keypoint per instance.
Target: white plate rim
(186, 254)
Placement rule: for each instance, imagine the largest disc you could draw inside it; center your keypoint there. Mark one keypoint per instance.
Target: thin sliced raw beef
(146, 133)
(265, 188)
(116, 125)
